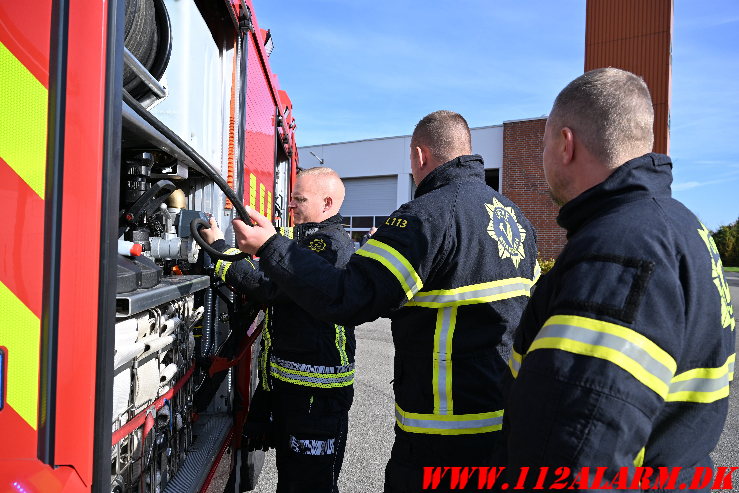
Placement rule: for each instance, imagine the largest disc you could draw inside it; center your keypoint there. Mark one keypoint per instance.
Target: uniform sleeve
(380, 277)
(593, 359)
(246, 277)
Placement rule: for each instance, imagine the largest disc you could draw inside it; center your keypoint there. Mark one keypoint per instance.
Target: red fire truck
(125, 365)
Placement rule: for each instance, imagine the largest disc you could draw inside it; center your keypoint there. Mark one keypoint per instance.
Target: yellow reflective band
(515, 363)
(448, 424)
(269, 206)
(287, 232)
(23, 106)
(320, 376)
(626, 348)
(703, 385)
(264, 355)
(341, 344)
(395, 263)
(20, 333)
(473, 294)
(639, 459)
(441, 380)
(222, 266)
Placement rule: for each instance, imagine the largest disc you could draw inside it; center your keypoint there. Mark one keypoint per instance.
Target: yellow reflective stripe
(515, 363)
(253, 191)
(269, 207)
(395, 263)
(704, 385)
(20, 333)
(341, 344)
(23, 106)
(631, 351)
(441, 381)
(448, 424)
(261, 198)
(473, 294)
(222, 266)
(639, 459)
(287, 232)
(264, 355)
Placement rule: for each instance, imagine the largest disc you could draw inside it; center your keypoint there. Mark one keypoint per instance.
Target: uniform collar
(310, 228)
(644, 177)
(461, 168)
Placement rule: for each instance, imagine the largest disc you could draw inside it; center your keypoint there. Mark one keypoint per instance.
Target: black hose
(205, 167)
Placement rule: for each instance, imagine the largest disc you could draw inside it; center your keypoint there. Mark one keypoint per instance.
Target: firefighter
(453, 270)
(306, 365)
(624, 355)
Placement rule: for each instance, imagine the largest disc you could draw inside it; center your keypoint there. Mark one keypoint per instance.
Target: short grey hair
(445, 133)
(610, 111)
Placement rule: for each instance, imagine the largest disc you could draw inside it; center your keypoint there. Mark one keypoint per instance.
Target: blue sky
(358, 69)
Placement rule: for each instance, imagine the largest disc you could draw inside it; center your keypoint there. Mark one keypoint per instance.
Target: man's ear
(567, 145)
(424, 156)
(327, 203)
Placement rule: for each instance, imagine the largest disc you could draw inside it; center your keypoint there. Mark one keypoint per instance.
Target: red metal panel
(24, 30)
(81, 218)
(260, 124)
(21, 265)
(635, 35)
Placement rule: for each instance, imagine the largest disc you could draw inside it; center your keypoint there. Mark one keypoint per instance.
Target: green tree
(727, 243)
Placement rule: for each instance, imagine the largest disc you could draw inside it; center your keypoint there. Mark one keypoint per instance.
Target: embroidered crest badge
(717, 273)
(317, 245)
(504, 229)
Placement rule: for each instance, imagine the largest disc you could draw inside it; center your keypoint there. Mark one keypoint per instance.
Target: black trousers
(412, 452)
(310, 429)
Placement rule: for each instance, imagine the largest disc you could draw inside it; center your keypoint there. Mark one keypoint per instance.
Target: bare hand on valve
(249, 239)
(212, 234)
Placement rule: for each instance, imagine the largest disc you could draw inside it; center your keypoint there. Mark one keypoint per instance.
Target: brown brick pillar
(635, 35)
(524, 183)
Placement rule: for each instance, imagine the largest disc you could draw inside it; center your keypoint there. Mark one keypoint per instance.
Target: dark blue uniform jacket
(298, 348)
(453, 270)
(626, 350)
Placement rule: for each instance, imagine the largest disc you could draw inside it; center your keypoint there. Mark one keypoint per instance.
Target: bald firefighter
(306, 365)
(453, 269)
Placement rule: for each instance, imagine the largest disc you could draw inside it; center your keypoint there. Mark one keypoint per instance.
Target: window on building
(492, 178)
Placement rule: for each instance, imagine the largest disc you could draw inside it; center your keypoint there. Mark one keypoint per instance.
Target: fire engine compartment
(187, 74)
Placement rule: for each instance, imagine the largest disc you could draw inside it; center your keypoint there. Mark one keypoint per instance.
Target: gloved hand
(258, 431)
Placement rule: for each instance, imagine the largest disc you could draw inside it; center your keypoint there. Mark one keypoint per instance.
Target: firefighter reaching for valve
(306, 365)
(453, 269)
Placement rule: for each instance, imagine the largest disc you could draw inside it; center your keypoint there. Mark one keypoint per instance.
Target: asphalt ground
(371, 418)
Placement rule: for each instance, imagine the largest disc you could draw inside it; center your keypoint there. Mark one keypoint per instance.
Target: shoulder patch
(717, 273)
(505, 229)
(609, 285)
(317, 245)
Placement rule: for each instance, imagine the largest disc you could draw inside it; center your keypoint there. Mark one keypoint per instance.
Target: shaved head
(610, 111)
(318, 194)
(445, 133)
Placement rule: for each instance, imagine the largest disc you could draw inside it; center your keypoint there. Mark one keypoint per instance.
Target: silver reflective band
(596, 338)
(700, 384)
(312, 375)
(483, 295)
(458, 423)
(396, 263)
(443, 360)
(514, 363)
